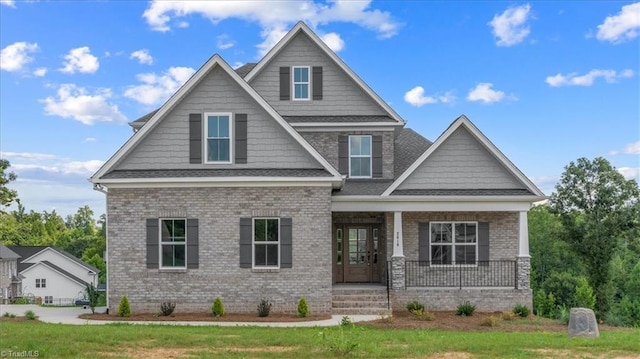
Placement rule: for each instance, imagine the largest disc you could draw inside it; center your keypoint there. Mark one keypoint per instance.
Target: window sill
(265, 270)
(173, 270)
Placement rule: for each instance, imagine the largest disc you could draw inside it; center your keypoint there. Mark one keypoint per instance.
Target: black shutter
(423, 244)
(343, 155)
(195, 138)
(483, 243)
(246, 236)
(285, 83)
(192, 243)
(286, 241)
(153, 243)
(241, 138)
(376, 156)
(316, 82)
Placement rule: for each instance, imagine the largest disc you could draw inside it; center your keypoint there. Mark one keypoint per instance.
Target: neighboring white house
(9, 279)
(53, 274)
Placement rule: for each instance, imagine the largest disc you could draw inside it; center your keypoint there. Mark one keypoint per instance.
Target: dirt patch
(149, 353)
(205, 317)
(567, 354)
(267, 349)
(452, 355)
(18, 319)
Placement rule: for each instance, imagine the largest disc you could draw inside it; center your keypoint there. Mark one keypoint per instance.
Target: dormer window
(360, 156)
(219, 137)
(301, 83)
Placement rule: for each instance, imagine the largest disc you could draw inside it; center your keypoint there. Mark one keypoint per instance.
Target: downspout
(100, 188)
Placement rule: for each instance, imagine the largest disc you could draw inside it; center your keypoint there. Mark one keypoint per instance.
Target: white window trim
(294, 83)
(206, 137)
(453, 244)
(253, 244)
(41, 282)
(362, 156)
(48, 299)
(160, 266)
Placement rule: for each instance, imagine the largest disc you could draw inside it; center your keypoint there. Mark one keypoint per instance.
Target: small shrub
(508, 316)
(387, 316)
(217, 309)
(6, 314)
(491, 321)
(346, 321)
(303, 308)
(521, 310)
(12, 315)
(544, 304)
(92, 295)
(264, 307)
(30, 315)
(465, 309)
(166, 308)
(422, 314)
(563, 314)
(584, 297)
(415, 305)
(124, 310)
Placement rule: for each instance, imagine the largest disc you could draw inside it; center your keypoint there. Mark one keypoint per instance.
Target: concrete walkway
(69, 315)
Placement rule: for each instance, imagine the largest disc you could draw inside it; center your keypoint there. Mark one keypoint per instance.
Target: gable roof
(463, 121)
(214, 61)
(6, 253)
(59, 270)
(302, 27)
(26, 252)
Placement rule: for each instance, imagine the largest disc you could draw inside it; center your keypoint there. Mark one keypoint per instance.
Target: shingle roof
(226, 172)
(28, 251)
(409, 145)
(146, 117)
(58, 269)
(245, 69)
(462, 192)
(339, 119)
(363, 187)
(6, 253)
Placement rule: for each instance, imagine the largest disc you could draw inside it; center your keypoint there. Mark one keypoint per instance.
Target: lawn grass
(126, 340)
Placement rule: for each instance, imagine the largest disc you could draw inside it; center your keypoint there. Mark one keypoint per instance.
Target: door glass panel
(357, 246)
(375, 245)
(339, 245)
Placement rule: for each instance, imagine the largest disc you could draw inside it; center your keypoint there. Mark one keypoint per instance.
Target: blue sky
(547, 82)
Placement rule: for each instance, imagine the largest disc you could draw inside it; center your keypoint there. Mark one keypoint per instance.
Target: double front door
(357, 253)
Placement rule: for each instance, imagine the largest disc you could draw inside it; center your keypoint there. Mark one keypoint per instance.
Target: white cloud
(155, 89)
(9, 3)
(142, 56)
(40, 72)
(485, 93)
(511, 26)
(573, 79)
(80, 60)
(630, 172)
(630, 149)
(274, 17)
(89, 139)
(224, 42)
(15, 56)
(30, 156)
(334, 41)
(77, 103)
(417, 98)
(621, 27)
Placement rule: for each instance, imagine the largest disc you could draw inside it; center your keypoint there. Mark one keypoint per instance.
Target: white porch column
(397, 235)
(523, 236)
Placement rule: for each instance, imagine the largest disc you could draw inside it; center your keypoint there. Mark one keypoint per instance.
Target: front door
(357, 257)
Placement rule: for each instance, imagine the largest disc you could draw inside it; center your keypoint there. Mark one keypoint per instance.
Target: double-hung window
(453, 243)
(41, 283)
(219, 137)
(48, 299)
(301, 83)
(266, 242)
(173, 243)
(360, 156)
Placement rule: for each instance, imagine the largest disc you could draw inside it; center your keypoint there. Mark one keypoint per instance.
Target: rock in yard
(582, 323)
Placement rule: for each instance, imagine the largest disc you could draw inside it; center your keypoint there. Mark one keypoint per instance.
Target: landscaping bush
(422, 314)
(217, 309)
(415, 305)
(544, 304)
(264, 307)
(491, 321)
(346, 321)
(521, 310)
(508, 316)
(6, 314)
(166, 308)
(92, 295)
(465, 309)
(123, 308)
(30, 315)
(563, 314)
(303, 308)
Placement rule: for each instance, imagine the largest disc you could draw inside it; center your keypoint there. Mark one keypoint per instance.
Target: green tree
(597, 206)
(7, 196)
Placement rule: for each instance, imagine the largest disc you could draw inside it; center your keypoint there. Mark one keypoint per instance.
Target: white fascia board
(215, 60)
(475, 132)
(301, 26)
(223, 182)
(428, 204)
(343, 129)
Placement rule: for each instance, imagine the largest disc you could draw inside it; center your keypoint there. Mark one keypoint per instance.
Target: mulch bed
(205, 317)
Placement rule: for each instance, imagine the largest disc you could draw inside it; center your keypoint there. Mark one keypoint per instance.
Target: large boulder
(582, 323)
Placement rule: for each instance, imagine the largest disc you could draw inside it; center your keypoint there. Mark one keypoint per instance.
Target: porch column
(397, 258)
(524, 259)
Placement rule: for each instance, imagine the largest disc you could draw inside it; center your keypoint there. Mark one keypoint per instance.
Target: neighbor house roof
(26, 252)
(64, 272)
(6, 253)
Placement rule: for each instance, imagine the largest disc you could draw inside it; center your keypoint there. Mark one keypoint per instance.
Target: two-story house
(291, 176)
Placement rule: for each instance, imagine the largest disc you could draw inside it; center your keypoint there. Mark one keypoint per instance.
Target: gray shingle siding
(341, 95)
(167, 146)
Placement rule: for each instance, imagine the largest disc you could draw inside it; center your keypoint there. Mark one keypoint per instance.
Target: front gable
(71, 265)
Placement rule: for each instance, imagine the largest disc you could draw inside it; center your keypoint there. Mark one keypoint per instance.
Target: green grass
(125, 340)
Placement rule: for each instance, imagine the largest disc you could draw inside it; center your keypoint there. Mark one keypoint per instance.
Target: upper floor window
(219, 137)
(41, 283)
(173, 243)
(301, 83)
(360, 156)
(453, 243)
(266, 242)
